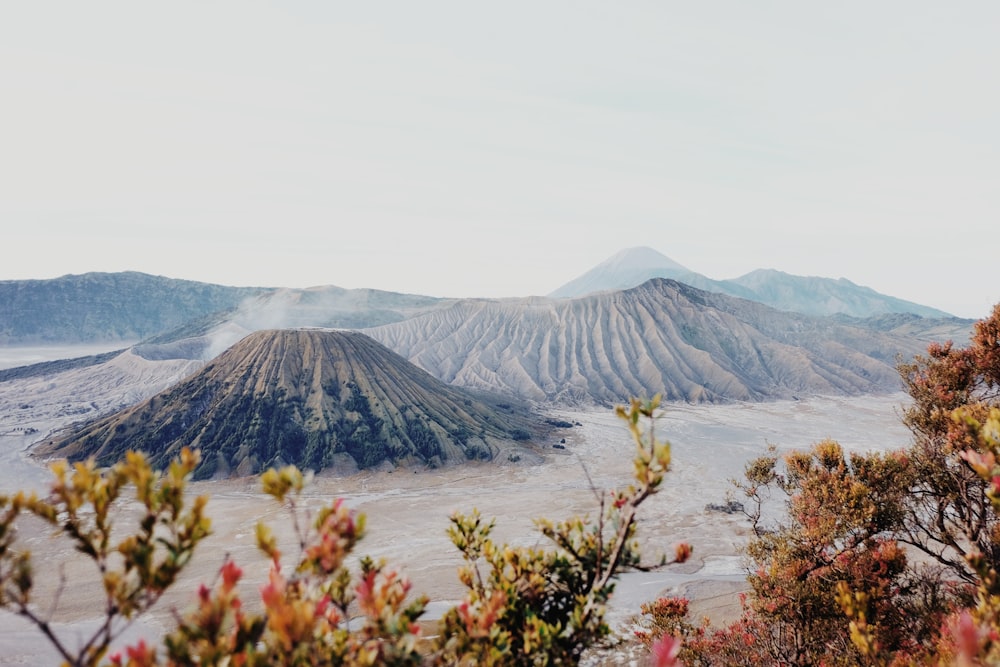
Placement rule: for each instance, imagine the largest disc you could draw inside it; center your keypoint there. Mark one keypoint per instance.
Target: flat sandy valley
(408, 509)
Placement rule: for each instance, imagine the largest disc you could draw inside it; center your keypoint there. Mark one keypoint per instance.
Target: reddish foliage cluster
(832, 584)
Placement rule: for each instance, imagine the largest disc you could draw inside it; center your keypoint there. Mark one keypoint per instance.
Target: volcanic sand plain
(408, 509)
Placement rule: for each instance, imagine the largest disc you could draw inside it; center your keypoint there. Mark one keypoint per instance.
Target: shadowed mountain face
(130, 306)
(800, 294)
(663, 336)
(318, 399)
(907, 325)
(103, 307)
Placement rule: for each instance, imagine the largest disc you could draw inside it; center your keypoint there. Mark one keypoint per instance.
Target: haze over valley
(411, 407)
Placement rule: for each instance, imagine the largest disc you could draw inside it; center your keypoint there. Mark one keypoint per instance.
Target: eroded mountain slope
(662, 336)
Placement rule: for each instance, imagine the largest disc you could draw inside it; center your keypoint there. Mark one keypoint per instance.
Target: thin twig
(59, 591)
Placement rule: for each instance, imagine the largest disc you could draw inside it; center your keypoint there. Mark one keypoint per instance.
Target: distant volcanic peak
(627, 268)
(641, 257)
(316, 398)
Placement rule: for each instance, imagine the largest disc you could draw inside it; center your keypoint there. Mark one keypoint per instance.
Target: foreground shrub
(524, 606)
(876, 559)
(134, 569)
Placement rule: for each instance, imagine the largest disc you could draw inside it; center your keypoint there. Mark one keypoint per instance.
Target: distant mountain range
(663, 336)
(424, 380)
(808, 295)
(107, 307)
(317, 399)
(129, 307)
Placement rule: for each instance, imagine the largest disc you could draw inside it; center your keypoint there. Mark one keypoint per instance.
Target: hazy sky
(501, 149)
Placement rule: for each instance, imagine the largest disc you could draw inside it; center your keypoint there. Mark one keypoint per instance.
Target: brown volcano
(316, 398)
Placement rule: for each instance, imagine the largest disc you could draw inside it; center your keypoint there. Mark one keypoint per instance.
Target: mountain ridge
(810, 295)
(131, 307)
(107, 307)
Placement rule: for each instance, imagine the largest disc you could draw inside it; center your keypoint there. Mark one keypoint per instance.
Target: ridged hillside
(663, 336)
(318, 399)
